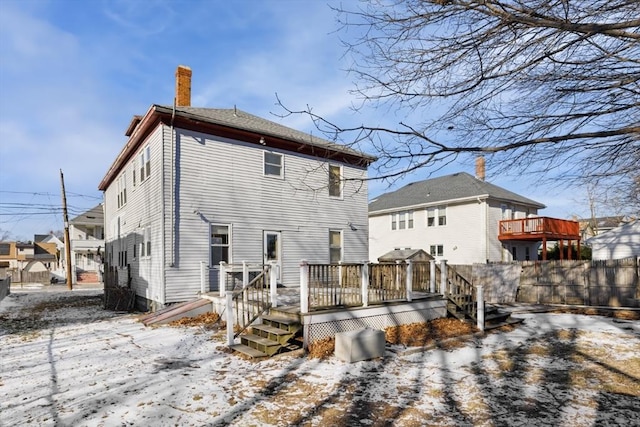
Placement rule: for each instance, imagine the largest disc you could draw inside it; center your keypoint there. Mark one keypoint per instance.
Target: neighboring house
(86, 232)
(196, 186)
(597, 226)
(18, 259)
(57, 268)
(617, 243)
(453, 217)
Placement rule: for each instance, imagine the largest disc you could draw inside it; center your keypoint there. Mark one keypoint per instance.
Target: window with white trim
(437, 216)
(436, 250)
(145, 164)
(220, 243)
(335, 181)
(122, 190)
(402, 220)
(145, 245)
(335, 246)
(273, 164)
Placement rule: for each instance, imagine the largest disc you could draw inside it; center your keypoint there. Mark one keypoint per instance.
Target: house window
(437, 216)
(122, 190)
(133, 171)
(273, 164)
(220, 246)
(402, 220)
(442, 215)
(145, 246)
(145, 164)
(335, 246)
(437, 250)
(335, 181)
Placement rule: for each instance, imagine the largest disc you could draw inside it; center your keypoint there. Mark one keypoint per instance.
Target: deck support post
(409, 280)
(222, 279)
(204, 282)
(229, 317)
(432, 276)
(365, 284)
(304, 287)
(443, 277)
(273, 283)
(480, 302)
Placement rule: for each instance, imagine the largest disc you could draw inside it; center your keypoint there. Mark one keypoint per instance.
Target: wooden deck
(539, 228)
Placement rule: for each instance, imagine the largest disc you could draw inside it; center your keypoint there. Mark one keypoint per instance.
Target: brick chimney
(480, 169)
(183, 86)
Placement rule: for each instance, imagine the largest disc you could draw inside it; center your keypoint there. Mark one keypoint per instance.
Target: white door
(273, 251)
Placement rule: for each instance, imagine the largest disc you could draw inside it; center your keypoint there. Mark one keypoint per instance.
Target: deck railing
(539, 226)
(352, 285)
(249, 293)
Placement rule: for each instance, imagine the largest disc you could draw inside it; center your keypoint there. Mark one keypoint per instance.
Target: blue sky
(73, 73)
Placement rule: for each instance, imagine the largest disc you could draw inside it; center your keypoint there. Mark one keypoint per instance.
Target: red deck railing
(537, 228)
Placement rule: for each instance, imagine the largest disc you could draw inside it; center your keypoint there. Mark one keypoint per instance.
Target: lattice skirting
(318, 331)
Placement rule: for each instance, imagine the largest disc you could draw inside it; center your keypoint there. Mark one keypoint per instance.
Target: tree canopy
(535, 86)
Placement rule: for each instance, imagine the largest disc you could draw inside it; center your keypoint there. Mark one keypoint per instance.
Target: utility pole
(67, 240)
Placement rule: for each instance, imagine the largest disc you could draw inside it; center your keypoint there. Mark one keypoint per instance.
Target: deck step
(272, 333)
(246, 350)
(506, 322)
(265, 345)
(284, 323)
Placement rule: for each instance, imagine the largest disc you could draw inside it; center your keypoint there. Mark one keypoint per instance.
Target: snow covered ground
(66, 362)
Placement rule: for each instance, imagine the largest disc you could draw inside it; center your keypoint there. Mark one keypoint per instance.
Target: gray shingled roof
(445, 188)
(239, 119)
(94, 216)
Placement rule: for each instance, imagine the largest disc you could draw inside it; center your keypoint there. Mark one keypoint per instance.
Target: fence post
(273, 283)
(304, 287)
(203, 289)
(340, 274)
(480, 302)
(229, 311)
(432, 276)
(222, 279)
(443, 276)
(398, 275)
(409, 280)
(245, 274)
(364, 283)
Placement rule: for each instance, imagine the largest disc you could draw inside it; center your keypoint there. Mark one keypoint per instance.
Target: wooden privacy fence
(596, 283)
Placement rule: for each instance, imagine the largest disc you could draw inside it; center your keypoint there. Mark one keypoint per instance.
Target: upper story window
(437, 216)
(122, 190)
(402, 220)
(273, 164)
(335, 181)
(145, 163)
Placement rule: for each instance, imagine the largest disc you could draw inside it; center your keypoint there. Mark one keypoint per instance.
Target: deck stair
(462, 304)
(276, 334)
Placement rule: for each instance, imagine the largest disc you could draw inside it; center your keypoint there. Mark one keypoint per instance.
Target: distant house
(593, 227)
(86, 232)
(453, 217)
(617, 243)
(194, 187)
(20, 259)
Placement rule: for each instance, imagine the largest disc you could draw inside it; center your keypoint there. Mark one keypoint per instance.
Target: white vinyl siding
(235, 192)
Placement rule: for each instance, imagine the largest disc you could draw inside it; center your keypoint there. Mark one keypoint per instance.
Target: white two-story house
(453, 217)
(203, 185)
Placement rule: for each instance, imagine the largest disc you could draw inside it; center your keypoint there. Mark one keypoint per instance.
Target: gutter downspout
(173, 223)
